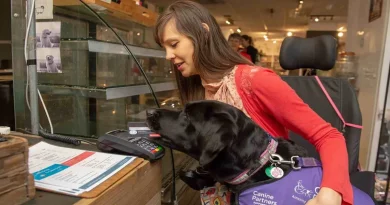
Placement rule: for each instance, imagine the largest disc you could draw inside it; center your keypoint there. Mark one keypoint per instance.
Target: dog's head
(49, 58)
(215, 133)
(46, 32)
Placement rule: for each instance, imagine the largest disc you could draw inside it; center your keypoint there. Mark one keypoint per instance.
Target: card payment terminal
(130, 143)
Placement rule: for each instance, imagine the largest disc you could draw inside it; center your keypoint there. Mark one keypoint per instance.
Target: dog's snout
(151, 113)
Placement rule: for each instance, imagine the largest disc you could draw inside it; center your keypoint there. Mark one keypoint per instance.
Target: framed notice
(375, 10)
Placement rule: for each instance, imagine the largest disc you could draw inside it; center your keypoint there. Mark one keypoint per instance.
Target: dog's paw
(196, 180)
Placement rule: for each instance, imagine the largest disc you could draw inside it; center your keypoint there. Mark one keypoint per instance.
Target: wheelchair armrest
(365, 181)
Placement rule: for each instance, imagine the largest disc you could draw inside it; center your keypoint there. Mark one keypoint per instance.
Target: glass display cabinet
(96, 85)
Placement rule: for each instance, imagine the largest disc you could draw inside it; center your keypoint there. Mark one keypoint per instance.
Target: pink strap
(334, 106)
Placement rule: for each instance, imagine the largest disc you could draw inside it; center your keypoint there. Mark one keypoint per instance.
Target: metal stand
(32, 69)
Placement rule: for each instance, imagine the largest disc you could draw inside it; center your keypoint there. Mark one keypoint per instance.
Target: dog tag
(268, 171)
(274, 172)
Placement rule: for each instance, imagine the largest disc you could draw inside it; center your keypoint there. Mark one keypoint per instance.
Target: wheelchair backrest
(320, 53)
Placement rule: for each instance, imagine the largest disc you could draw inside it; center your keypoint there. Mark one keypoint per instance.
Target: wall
(369, 48)
(268, 47)
(323, 26)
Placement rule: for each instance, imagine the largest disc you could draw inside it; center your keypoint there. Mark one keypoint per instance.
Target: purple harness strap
(308, 162)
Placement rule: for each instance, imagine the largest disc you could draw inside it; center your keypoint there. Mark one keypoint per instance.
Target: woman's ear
(205, 26)
(206, 33)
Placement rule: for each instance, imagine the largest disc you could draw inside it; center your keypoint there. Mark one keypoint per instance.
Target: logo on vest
(304, 194)
(260, 198)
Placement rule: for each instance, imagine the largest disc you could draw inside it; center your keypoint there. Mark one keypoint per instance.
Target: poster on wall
(48, 34)
(375, 10)
(49, 60)
(48, 37)
(44, 9)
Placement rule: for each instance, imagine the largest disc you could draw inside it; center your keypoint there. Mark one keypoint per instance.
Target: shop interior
(107, 70)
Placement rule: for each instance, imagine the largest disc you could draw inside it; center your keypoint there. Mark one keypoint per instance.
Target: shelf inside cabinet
(126, 9)
(105, 93)
(110, 47)
(113, 48)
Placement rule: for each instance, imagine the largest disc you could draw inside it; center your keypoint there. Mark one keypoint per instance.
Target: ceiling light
(341, 28)
(228, 22)
(231, 31)
(316, 19)
(301, 2)
(289, 33)
(340, 34)
(360, 33)
(274, 42)
(239, 30)
(266, 39)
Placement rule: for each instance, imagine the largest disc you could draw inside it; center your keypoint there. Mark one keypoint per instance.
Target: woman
(234, 41)
(207, 68)
(247, 42)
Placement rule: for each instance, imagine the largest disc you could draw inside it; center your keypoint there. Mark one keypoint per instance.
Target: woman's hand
(326, 196)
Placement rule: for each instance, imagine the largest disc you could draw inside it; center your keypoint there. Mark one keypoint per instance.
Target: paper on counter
(72, 171)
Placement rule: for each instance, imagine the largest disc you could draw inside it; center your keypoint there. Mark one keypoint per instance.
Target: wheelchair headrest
(317, 53)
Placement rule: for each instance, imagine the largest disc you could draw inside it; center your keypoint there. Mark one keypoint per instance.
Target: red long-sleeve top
(276, 107)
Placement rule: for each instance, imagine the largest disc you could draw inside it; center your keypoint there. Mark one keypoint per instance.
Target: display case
(95, 85)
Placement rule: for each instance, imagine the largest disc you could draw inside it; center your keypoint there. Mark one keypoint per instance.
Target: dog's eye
(186, 118)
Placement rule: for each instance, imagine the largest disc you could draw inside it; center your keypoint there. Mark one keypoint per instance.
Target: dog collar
(263, 159)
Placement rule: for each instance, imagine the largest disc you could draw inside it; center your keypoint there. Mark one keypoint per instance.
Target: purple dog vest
(296, 188)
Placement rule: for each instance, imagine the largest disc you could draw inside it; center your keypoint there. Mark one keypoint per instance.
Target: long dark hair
(248, 38)
(213, 57)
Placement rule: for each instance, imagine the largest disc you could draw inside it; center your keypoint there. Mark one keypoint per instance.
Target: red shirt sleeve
(278, 99)
(246, 55)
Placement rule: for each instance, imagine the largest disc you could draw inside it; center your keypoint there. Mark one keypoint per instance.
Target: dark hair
(234, 35)
(248, 38)
(213, 57)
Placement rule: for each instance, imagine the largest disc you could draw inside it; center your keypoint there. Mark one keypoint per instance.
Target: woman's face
(179, 49)
(245, 43)
(234, 43)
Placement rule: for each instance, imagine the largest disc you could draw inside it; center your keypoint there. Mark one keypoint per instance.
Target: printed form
(72, 171)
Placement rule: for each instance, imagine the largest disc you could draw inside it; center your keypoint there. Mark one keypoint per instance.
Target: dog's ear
(216, 143)
(211, 151)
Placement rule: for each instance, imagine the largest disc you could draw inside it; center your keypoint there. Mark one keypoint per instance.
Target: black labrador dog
(233, 150)
(221, 137)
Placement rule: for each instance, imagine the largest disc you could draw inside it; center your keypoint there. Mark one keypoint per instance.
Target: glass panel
(72, 114)
(89, 50)
(383, 156)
